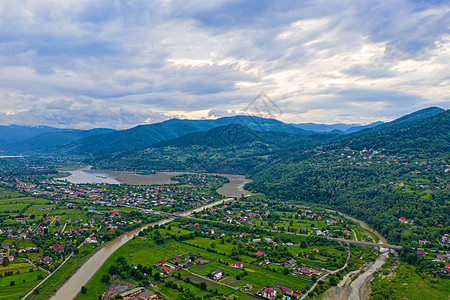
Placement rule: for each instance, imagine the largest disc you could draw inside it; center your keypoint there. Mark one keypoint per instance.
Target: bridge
(395, 247)
(187, 214)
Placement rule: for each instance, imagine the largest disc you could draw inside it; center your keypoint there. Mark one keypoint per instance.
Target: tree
(5, 262)
(157, 276)
(333, 281)
(83, 289)
(12, 283)
(106, 278)
(203, 286)
(113, 270)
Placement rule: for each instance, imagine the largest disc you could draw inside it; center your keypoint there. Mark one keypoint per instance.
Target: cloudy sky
(85, 64)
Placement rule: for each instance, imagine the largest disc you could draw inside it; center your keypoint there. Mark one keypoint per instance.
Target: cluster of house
(179, 263)
(144, 198)
(46, 260)
(78, 228)
(139, 293)
(5, 253)
(18, 233)
(439, 258)
(368, 157)
(218, 274)
(291, 263)
(266, 292)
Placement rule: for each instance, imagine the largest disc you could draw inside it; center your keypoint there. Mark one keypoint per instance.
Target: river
(234, 188)
(364, 225)
(72, 286)
(357, 284)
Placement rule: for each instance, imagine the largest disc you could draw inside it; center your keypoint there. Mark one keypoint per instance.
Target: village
(212, 257)
(370, 158)
(248, 247)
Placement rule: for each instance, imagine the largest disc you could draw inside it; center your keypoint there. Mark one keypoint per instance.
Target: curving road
(324, 276)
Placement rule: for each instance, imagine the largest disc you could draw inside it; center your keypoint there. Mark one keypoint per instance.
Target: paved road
(362, 243)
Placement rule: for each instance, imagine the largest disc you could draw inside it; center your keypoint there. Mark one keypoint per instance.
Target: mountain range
(335, 128)
(235, 148)
(102, 142)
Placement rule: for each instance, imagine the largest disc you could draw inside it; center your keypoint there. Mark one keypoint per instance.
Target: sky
(117, 63)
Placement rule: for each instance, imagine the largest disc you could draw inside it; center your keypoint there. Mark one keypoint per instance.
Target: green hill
(48, 140)
(236, 134)
(404, 175)
(225, 149)
(143, 136)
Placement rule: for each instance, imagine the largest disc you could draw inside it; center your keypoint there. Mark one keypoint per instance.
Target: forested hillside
(379, 177)
(45, 141)
(428, 136)
(231, 149)
(144, 136)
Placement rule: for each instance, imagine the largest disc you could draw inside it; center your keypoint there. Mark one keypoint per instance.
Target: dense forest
(232, 149)
(379, 177)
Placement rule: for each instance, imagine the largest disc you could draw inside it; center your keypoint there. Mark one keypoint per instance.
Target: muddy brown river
(235, 188)
(72, 286)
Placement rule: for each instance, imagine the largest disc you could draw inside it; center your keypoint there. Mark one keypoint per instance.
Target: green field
(406, 283)
(57, 278)
(146, 252)
(24, 281)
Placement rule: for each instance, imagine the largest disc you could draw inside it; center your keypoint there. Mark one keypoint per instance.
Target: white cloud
(142, 61)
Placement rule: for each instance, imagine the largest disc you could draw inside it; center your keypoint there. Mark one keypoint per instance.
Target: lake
(235, 188)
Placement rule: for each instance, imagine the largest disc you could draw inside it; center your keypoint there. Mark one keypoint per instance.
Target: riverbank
(381, 239)
(82, 275)
(85, 174)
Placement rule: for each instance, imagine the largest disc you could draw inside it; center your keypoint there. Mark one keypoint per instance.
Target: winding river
(72, 286)
(234, 188)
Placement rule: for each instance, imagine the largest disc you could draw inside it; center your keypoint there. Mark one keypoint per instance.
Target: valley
(231, 209)
(225, 150)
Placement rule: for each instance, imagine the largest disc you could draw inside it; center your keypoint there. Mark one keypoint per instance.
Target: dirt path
(324, 276)
(37, 267)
